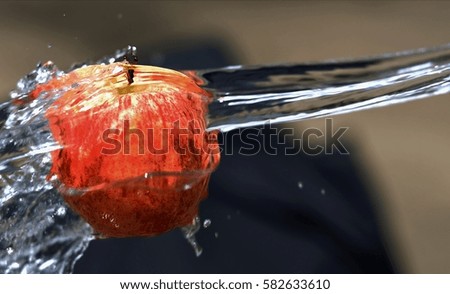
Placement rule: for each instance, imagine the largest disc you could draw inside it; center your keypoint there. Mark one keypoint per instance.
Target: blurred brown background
(403, 148)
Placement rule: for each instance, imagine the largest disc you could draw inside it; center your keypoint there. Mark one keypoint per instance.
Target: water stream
(253, 95)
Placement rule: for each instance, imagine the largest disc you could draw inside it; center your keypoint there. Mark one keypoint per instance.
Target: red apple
(136, 156)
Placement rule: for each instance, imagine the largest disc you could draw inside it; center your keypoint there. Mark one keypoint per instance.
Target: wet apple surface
(136, 157)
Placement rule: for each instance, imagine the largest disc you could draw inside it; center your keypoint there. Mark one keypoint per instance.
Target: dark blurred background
(397, 173)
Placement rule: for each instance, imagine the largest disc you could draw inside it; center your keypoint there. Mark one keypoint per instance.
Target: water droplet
(61, 211)
(15, 265)
(119, 16)
(47, 264)
(64, 14)
(49, 46)
(322, 191)
(9, 250)
(206, 223)
(216, 235)
(300, 185)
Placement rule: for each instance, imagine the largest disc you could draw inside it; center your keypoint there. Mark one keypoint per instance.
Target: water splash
(40, 233)
(127, 53)
(189, 233)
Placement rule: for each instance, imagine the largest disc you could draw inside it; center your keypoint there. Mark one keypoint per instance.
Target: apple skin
(136, 157)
